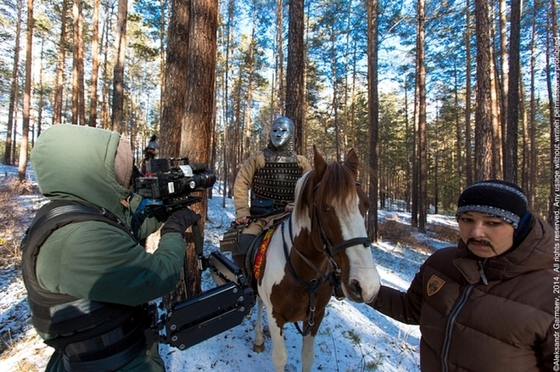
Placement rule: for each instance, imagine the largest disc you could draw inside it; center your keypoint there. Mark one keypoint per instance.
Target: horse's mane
(336, 185)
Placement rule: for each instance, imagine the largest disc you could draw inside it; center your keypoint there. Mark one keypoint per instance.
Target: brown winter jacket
(466, 325)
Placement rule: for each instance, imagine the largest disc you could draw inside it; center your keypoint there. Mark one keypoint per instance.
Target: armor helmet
(281, 131)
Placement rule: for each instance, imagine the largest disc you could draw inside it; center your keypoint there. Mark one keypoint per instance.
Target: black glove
(179, 221)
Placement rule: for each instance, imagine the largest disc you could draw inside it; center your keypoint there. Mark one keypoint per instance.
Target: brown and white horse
(322, 242)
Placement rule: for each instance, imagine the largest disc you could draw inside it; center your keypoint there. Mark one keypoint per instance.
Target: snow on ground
(352, 337)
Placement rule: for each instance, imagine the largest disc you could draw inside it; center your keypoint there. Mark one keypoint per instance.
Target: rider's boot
(240, 256)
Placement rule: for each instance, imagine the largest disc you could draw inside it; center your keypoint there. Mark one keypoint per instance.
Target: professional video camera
(169, 182)
(196, 318)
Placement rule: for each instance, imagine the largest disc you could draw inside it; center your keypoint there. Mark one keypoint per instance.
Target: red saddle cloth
(259, 257)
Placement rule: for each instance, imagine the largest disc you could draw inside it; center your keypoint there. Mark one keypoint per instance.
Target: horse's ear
(320, 165)
(352, 161)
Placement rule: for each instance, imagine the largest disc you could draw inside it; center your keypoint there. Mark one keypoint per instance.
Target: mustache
(479, 241)
(483, 242)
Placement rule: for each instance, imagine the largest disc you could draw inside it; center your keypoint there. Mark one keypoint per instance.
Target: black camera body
(169, 183)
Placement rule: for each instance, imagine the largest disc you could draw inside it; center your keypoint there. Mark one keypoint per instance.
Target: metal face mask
(281, 131)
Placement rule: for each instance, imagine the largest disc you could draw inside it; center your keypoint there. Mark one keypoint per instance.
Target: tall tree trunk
(78, 108)
(94, 64)
(175, 79)
(279, 57)
(162, 48)
(199, 104)
(23, 157)
(420, 117)
(497, 168)
(504, 81)
(106, 80)
(251, 72)
(458, 132)
(552, 33)
(117, 116)
(59, 80)
(228, 159)
(510, 160)
(334, 103)
(373, 115)
(41, 92)
(295, 72)
(532, 163)
(468, 93)
(8, 154)
(483, 115)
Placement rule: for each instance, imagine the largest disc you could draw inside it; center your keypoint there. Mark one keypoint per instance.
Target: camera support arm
(199, 318)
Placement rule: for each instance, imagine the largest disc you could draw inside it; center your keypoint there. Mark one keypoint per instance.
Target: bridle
(332, 277)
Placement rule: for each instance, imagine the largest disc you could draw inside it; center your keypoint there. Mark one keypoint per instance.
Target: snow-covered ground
(352, 337)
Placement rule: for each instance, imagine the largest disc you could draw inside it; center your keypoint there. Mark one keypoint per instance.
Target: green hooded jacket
(92, 259)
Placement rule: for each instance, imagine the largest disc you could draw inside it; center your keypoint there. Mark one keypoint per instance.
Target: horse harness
(333, 277)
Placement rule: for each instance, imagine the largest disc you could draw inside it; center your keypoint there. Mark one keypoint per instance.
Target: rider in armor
(89, 280)
(266, 183)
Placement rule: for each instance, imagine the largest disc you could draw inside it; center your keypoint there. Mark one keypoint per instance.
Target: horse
(323, 243)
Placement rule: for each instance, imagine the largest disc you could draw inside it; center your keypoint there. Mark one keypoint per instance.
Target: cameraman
(89, 282)
(271, 175)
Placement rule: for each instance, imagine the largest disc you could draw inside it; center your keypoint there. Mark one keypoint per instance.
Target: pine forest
(433, 95)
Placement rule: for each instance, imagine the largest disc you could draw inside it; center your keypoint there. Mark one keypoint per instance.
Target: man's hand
(242, 220)
(179, 221)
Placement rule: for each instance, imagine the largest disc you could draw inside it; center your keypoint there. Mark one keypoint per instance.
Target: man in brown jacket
(486, 305)
(265, 183)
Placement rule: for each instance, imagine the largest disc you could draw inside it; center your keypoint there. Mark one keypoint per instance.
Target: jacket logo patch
(434, 285)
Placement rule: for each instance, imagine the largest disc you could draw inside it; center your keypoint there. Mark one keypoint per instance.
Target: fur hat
(498, 198)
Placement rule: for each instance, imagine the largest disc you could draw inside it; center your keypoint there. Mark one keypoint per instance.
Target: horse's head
(336, 205)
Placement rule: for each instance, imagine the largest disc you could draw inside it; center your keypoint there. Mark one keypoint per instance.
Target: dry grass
(402, 234)
(13, 221)
(444, 232)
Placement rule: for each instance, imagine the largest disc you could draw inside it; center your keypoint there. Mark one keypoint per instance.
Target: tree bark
(23, 156)
(175, 79)
(373, 116)
(197, 122)
(59, 80)
(420, 117)
(510, 158)
(117, 116)
(483, 114)
(295, 73)
(8, 154)
(94, 64)
(78, 108)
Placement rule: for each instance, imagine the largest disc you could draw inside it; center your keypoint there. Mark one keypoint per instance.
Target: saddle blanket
(259, 257)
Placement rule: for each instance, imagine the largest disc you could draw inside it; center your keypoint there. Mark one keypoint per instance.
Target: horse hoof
(258, 348)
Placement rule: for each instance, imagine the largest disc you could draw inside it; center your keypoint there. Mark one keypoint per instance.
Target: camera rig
(197, 318)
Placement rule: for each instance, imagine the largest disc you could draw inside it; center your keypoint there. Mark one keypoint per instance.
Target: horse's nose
(356, 288)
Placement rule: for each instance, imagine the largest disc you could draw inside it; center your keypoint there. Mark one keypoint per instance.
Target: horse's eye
(326, 208)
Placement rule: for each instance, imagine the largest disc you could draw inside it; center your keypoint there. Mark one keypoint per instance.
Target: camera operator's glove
(179, 221)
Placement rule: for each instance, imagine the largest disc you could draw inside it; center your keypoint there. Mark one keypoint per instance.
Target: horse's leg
(279, 354)
(307, 353)
(308, 342)
(258, 342)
